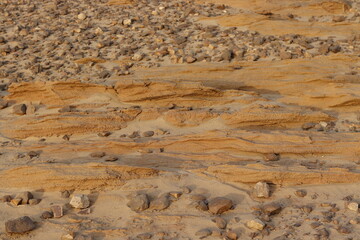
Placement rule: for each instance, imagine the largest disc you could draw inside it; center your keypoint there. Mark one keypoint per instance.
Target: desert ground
(179, 119)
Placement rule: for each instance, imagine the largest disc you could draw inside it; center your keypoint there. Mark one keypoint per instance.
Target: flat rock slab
(219, 205)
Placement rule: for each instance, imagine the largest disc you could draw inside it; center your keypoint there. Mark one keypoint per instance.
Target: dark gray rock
(20, 225)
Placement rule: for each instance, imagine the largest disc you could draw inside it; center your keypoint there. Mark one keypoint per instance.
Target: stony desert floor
(172, 119)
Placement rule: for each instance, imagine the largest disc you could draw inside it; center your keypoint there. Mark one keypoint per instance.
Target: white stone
(255, 224)
(262, 190)
(127, 22)
(81, 16)
(80, 201)
(354, 206)
(137, 57)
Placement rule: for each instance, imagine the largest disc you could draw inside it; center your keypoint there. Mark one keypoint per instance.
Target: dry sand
(186, 133)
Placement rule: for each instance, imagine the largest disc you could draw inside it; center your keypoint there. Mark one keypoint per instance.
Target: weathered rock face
(20, 225)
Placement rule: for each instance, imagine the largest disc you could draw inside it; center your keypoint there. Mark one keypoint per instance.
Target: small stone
(307, 126)
(144, 236)
(323, 232)
(354, 221)
(85, 211)
(127, 22)
(69, 236)
(19, 109)
(104, 74)
(186, 190)
(97, 154)
(197, 197)
(111, 158)
(134, 135)
(219, 205)
(272, 208)
(160, 203)
(315, 225)
(255, 224)
(285, 55)
(232, 235)
(65, 194)
(137, 57)
(344, 230)
(354, 206)
(47, 215)
(201, 205)
(139, 202)
(3, 103)
(148, 134)
(175, 195)
(57, 211)
(190, 59)
(262, 190)
(34, 201)
(16, 201)
(323, 49)
(272, 157)
(80, 201)
(5, 198)
(220, 222)
(83, 237)
(33, 154)
(104, 134)
(300, 193)
(81, 16)
(203, 233)
(20, 225)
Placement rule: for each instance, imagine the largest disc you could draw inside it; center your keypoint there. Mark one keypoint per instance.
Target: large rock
(19, 225)
(219, 205)
(80, 201)
(139, 202)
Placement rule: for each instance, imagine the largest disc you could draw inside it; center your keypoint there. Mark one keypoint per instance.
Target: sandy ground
(196, 131)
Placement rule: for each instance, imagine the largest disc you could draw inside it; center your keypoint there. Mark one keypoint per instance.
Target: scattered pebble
(97, 154)
(220, 222)
(139, 202)
(300, 193)
(47, 215)
(19, 109)
(272, 157)
(57, 211)
(160, 203)
(354, 206)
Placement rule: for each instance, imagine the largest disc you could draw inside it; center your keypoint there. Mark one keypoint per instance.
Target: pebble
(300, 193)
(307, 126)
(57, 211)
(6, 198)
(65, 194)
(81, 16)
(344, 230)
(19, 109)
(16, 201)
(34, 201)
(111, 158)
(262, 190)
(127, 22)
(148, 134)
(203, 233)
(137, 57)
(232, 235)
(3, 104)
(20, 225)
(47, 215)
(80, 201)
(220, 222)
(201, 205)
(97, 154)
(139, 202)
(272, 157)
(219, 205)
(272, 208)
(255, 224)
(354, 206)
(145, 236)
